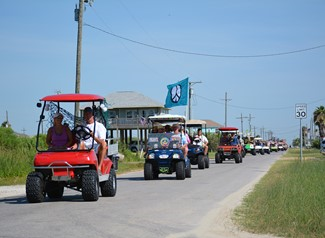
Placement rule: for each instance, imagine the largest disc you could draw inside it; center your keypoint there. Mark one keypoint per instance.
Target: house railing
(127, 123)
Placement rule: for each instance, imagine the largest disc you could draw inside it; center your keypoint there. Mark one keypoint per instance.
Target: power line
(204, 54)
(256, 108)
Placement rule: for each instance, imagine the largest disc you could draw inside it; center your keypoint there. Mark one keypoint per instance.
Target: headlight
(176, 156)
(151, 156)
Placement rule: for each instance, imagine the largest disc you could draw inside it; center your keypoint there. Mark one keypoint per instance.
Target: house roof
(212, 124)
(130, 99)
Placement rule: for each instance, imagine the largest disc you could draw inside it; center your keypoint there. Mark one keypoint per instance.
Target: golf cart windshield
(163, 141)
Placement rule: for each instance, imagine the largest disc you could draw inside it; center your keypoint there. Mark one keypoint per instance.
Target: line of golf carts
(76, 167)
(256, 145)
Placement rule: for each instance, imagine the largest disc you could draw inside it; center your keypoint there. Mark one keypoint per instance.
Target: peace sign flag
(177, 94)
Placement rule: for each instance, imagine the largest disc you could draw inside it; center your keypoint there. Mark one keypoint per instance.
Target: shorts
(96, 146)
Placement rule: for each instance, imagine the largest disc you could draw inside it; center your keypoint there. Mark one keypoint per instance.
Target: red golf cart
(72, 167)
(229, 148)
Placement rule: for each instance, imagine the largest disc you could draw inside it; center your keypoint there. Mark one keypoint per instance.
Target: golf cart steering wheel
(82, 132)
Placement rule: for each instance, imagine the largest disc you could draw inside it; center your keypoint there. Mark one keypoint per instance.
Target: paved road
(159, 208)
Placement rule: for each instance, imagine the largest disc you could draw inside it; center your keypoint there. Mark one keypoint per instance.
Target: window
(129, 114)
(112, 114)
(151, 112)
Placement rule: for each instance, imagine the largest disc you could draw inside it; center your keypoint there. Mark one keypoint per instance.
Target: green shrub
(213, 139)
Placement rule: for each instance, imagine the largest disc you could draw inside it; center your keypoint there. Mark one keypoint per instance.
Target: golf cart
(274, 146)
(227, 149)
(249, 145)
(266, 147)
(163, 150)
(72, 167)
(195, 148)
(259, 145)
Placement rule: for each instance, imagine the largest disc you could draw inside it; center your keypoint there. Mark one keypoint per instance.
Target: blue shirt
(234, 141)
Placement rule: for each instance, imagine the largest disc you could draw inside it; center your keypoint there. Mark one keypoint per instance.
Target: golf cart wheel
(243, 153)
(206, 161)
(148, 171)
(188, 171)
(217, 158)
(35, 187)
(200, 162)
(237, 158)
(90, 185)
(262, 152)
(180, 170)
(253, 152)
(54, 190)
(108, 187)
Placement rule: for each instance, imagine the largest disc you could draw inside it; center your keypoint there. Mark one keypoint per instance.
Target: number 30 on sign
(301, 111)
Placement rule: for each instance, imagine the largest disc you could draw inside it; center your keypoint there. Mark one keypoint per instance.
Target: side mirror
(103, 107)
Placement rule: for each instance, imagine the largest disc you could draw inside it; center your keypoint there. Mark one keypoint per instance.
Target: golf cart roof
(167, 118)
(195, 123)
(228, 129)
(73, 97)
(258, 138)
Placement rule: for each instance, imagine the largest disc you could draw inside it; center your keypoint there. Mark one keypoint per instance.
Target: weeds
(288, 201)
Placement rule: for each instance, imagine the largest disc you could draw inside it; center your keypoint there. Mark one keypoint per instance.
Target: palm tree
(319, 120)
(304, 133)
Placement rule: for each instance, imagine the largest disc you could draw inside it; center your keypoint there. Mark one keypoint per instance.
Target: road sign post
(301, 113)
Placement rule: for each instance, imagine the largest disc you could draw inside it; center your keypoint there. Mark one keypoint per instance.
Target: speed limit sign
(301, 111)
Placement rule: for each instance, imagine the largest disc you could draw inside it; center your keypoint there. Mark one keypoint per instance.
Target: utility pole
(262, 132)
(249, 123)
(190, 98)
(241, 121)
(78, 17)
(226, 102)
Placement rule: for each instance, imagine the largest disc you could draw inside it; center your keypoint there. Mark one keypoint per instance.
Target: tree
(5, 124)
(304, 131)
(319, 120)
(296, 142)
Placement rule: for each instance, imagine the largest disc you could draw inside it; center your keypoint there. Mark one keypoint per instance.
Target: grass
(131, 162)
(289, 200)
(294, 153)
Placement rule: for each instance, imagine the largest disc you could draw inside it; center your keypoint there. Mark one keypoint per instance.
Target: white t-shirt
(204, 139)
(100, 133)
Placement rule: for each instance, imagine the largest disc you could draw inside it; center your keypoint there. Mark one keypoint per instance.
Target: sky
(266, 55)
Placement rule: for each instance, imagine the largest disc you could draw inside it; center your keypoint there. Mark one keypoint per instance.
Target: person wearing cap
(99, 137)
(58, 136)
(176, 130)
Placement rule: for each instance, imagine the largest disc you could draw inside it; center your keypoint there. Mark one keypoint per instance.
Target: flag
(177, 94)
(143, 121)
